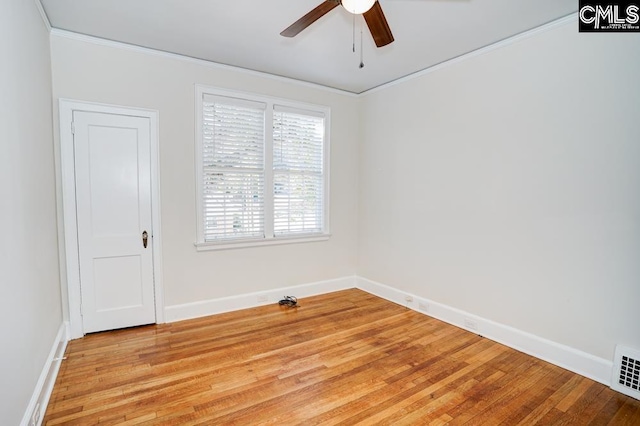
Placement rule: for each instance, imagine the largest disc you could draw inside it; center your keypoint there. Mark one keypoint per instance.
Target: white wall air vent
(626, 371)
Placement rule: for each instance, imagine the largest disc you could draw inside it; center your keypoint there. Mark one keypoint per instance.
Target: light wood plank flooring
(340, 358)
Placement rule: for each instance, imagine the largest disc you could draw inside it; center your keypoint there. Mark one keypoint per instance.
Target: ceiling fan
(370, 10)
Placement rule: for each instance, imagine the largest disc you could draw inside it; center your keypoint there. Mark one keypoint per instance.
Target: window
(262, 170)
(298, 142)
(232, 169)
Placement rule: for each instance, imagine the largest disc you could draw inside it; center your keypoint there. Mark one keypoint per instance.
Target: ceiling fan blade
(378, 25)
(308, 19)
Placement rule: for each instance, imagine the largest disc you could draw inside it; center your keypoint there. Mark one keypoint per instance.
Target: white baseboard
(47, 379)
(251, 300)
(572, 359)
(569, 358)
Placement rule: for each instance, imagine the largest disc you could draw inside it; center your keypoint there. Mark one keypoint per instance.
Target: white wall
(505, 184)
(508, 185)
(30, 310)
(92, 72)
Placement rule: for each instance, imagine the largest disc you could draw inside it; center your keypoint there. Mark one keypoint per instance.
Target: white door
(113, 199)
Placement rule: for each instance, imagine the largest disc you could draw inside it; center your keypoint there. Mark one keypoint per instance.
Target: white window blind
(232, 168)
(262, 170)
(298, 143)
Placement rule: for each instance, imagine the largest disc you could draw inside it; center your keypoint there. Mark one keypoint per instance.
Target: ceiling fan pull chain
(354, 33)
(361, 49)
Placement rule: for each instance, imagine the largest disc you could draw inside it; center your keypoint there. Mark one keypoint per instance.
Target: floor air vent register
(626, 371)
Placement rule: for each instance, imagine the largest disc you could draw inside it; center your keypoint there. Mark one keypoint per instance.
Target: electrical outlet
(408, 298)
(471, 324)
(423, 307)
(263, 298)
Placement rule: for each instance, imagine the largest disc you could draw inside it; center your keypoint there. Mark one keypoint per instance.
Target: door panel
(112, 165)
(113, 159)
(116, 282)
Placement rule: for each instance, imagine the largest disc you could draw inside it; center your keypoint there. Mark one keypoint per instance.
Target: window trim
(269, 237)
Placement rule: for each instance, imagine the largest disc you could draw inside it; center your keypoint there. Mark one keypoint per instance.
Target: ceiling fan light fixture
(357, 7)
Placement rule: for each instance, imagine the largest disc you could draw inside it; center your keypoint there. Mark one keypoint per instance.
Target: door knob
(145, 237)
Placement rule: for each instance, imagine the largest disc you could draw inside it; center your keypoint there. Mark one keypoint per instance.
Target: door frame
(71, 261)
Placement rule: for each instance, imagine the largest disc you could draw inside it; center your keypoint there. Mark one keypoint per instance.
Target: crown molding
(572, 18)
(43, 15)
(478, 52)
(55, 32)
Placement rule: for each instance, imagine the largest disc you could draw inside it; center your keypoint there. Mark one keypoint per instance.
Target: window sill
(263, 242)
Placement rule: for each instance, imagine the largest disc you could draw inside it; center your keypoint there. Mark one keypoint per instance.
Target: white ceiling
(246, 33)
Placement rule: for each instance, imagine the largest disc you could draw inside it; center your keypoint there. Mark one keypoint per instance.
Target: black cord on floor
(289, 301)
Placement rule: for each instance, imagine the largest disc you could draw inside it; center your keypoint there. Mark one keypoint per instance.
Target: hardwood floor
(340, 358)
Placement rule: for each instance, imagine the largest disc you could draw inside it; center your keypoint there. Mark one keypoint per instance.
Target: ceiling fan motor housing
(357, 7)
